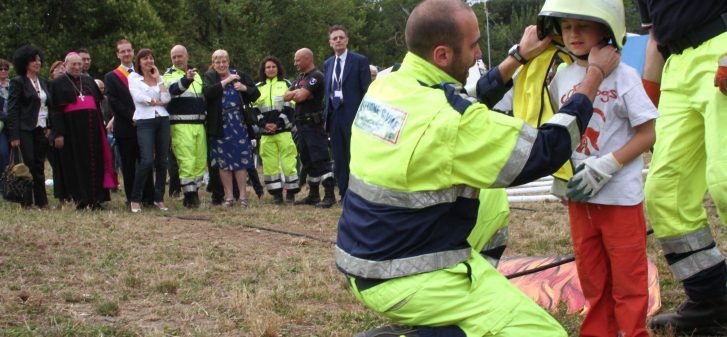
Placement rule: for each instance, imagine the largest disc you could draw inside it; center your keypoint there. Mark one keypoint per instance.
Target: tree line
(248, 29)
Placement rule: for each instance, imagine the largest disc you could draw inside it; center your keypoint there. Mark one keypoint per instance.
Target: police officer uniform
(313, 140)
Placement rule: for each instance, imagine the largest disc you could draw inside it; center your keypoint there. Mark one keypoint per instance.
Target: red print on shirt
(589, 140)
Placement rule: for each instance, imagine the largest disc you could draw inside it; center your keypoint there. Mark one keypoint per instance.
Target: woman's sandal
(243, 203)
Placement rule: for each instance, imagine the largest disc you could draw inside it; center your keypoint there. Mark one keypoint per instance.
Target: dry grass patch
(207, 272)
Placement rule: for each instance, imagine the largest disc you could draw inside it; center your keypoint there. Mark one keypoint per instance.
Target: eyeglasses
(4, 69)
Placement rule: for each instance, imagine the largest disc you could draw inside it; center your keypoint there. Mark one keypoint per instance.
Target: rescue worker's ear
(442, 56)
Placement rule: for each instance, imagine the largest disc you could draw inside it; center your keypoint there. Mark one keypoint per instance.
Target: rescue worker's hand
(191, 73)
(15, 143)
(530, 45)
(271, 127)
(720, 78)
(591, 176)
(604, 57)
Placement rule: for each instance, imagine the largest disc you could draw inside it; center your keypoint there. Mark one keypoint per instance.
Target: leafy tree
(248, 29)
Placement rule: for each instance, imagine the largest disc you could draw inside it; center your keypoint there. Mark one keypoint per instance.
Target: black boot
(706, 317)
(290, 197)
(390, 331)
(313, 197)
(191, 200)
(277, 196)
(329, 199)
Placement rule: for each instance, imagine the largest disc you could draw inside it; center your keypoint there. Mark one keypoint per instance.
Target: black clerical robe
(84, 158)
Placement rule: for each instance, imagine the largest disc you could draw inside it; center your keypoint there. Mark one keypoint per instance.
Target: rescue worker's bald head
(179, 49)
(433, 23)
(179, 56)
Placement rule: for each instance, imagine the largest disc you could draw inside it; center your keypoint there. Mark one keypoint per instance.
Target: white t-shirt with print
(620, 105)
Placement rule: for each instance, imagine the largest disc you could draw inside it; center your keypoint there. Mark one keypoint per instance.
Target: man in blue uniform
(307, 93)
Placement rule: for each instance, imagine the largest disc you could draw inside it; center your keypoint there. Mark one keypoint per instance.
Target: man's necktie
(338, 74)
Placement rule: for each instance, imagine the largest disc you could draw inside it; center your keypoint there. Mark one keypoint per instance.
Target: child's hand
(591, 176)
(604, 57)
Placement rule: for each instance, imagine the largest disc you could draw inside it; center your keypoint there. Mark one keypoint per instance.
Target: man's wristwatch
(515, 53)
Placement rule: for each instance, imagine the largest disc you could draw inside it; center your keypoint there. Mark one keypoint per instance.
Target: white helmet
(607, 12)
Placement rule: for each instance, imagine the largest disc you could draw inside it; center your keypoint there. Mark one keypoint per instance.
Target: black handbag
(16, 180)
(250, 114)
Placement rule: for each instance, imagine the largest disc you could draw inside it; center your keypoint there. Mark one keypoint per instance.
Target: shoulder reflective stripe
(687, 243)
(415, 200)
(570, 123)
(194, 117)
(389, 269)
(518, 157)
(458, 100)
(499, 239)
(693, 264)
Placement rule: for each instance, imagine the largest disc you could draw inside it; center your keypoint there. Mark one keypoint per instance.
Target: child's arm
(596, 172)
(643, 139)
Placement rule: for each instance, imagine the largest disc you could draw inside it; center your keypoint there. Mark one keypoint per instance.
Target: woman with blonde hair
(57, 68)
(227, 92)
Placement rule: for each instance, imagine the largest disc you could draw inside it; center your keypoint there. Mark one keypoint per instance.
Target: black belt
(699, 36)
(315, 118)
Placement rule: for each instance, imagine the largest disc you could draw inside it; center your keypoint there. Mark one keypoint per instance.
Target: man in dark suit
(122, 107)
(347, 79)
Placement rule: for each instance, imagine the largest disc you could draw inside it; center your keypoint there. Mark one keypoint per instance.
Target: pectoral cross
(83, 98)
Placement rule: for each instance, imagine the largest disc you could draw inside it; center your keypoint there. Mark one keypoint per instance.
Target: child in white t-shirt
(606, 193)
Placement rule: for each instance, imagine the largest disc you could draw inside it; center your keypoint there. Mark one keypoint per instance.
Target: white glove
(254, 142)
(558, 188)
(591, 176)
